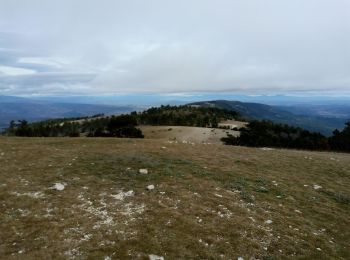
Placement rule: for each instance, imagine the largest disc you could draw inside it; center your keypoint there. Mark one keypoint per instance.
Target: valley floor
(85, 198)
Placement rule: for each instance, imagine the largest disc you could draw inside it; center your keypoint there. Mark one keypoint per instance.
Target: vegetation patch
(338, 197)
(269, 134)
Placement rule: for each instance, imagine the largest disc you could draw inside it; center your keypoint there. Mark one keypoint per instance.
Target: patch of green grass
(261, 189)
(338, 197)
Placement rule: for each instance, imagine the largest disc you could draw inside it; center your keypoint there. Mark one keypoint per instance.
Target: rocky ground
(91, 198)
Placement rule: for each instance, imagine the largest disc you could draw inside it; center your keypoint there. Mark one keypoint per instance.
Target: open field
(84, 198)
(187, 133)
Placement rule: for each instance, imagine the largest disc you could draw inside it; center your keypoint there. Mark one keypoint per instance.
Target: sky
(99, 47)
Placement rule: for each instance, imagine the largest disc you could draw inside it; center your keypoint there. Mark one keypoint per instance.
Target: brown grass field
(187, 134)
(209, 201)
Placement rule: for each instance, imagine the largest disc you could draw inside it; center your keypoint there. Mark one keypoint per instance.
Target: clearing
(187, 133)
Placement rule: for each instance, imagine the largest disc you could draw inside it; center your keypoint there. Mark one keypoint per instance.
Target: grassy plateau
(84, 198)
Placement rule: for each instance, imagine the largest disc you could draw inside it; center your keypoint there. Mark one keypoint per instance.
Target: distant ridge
(17, 108)
(276, 114)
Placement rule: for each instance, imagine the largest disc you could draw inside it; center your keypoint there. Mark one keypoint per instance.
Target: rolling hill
(15, 108)
(322, 124)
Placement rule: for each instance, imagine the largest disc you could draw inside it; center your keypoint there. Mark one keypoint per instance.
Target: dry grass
(209, 201)
(187, 133)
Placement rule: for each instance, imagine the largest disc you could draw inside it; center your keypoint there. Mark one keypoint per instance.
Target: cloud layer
(110, 46)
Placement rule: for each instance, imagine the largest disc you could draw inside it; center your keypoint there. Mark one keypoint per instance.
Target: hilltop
(110, 126)
(87, 198)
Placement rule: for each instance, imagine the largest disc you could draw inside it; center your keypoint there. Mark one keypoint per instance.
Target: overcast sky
(112, 46)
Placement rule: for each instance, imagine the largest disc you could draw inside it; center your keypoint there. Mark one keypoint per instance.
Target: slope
(85, 198)
(324, 125)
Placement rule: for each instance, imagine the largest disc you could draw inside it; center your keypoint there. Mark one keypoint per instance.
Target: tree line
(122, 125)
(269, 134)
(255, 134)
(114, 126)
(186, 115)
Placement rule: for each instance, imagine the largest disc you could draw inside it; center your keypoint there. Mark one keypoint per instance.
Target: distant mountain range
(17, 108)
(312, 119)
(323, 118)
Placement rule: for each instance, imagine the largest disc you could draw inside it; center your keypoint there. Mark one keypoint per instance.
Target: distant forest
(122, 125)
(114, 126)
(269, 134)
(255, 134)
(185, 116)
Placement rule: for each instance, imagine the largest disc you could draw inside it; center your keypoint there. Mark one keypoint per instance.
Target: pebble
(58, 186)
(155, 257)
(150, 187)
(269, 221)
(143, 171)
(317, 187)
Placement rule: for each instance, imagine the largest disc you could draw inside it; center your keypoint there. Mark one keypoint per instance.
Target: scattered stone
(319, 249)
(143, 171)
(107, 258)
(297, 211)
(58, 186)
(204, 243)
(252, 219)
(317, 187)
(122, 195)
(218, 195)
(150, 187)
(163, 147)
(266, 149)
(34, 195)
(269, 221)
(155, 257)
(240, 258)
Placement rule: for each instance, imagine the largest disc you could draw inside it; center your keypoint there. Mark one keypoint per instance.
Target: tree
(340, 141)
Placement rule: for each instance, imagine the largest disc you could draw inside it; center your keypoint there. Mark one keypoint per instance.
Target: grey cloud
(177, 46)
(43, 83)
